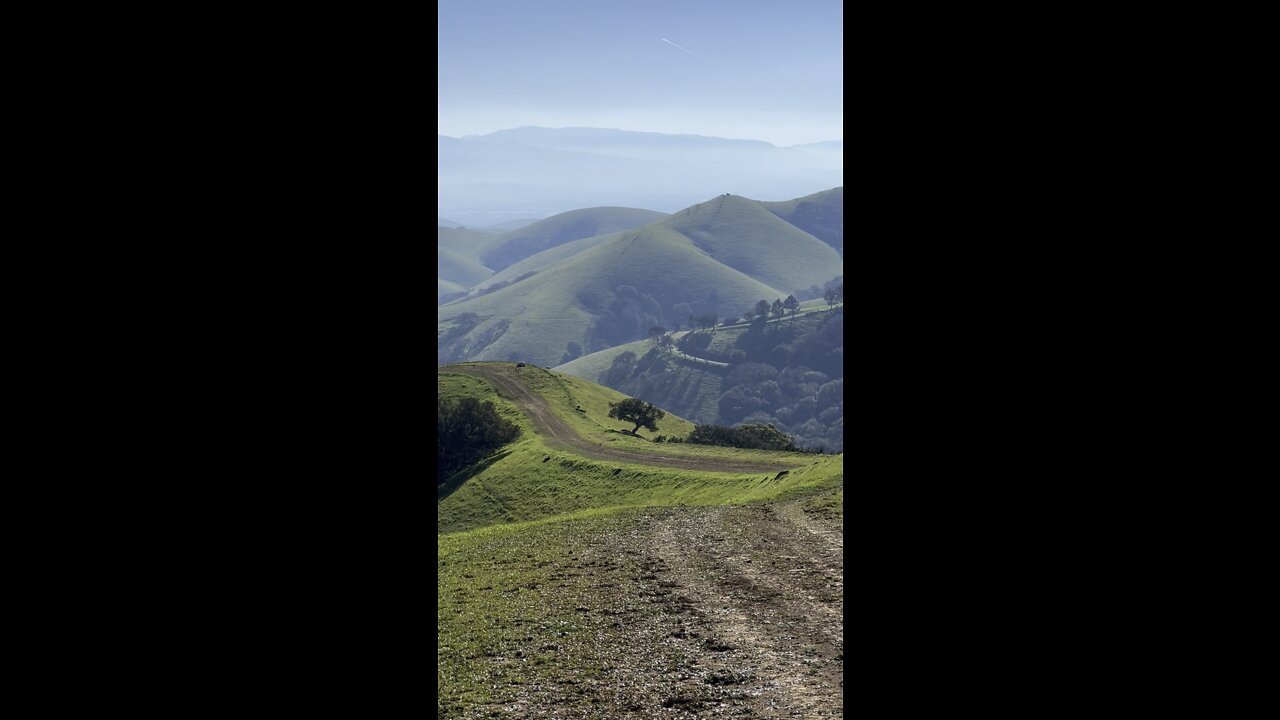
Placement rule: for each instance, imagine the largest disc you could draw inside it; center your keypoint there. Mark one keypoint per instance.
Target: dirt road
(767, 584)
(559, 435)
(724, 612)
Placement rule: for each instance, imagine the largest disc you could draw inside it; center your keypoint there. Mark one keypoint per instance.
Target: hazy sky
(750, 69)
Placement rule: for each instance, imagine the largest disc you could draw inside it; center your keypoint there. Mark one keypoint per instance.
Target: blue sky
(769, 71)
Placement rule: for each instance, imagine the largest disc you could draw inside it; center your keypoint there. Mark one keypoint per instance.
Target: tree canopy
(634, 410)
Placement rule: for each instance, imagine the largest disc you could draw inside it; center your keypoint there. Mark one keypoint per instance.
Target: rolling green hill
(609, 294)
(534, 263)
(458, 266)
(532, 480)
(742, 234)
(455, 268)
(821, 215)
(589, 294)
(556, 230)
(466, 242)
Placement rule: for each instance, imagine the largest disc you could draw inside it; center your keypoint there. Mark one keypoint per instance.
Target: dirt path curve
(765, 587)
(560, 436)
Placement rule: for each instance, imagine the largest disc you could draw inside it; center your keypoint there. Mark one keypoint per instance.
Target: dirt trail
(767, 586)
(560, 436)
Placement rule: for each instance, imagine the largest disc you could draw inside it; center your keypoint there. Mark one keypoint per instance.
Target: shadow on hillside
(456, 480)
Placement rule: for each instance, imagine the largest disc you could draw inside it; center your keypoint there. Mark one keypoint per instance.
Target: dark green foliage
(466, 431)
(634, 410)
(757, 437)
(572, 351)
(762, 308)
(625, 317)
(621, 369)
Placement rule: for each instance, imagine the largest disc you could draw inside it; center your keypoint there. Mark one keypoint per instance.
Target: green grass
(458, 269)
(528, 481)
(820, 214)
(529, 574)
(555, 307)
(534, 263)
(566, 227)
(465, 242)
(731, 244)
(509, 610)
(833, 502)
(742, 234)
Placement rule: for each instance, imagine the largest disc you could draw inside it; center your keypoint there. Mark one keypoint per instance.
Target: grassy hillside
(534, 263)
(527, 481)
(548, 562)
(611, 293)
(466, 242)
(821, 215)
(742, 234)
(589, 294)
(565, 227)
(690, 389)
(460, 270)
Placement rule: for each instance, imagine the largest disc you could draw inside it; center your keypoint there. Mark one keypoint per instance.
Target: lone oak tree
(636, 411)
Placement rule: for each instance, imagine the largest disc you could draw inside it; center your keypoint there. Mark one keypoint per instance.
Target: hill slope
(455, 268)
(717, 257)
(821, 215)
(744, 235)
(564, 581)
(565, 419)
(798, 389)
(565, 227)
(609, 294)
(466, 242)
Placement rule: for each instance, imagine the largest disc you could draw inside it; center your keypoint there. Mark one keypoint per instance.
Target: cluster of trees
(779, 307)
(466, 431)
(834, 295)
(792, 380)
(756, 437)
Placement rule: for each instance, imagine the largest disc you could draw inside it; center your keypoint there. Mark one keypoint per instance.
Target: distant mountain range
(534, 171)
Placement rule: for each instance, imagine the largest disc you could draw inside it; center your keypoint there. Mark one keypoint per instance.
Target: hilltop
(597, 292)
(531, 239)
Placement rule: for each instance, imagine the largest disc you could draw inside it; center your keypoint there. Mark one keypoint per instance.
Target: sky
(743, 69)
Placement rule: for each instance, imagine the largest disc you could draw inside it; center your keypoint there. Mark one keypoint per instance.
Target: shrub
(757, 437)
(466, 431)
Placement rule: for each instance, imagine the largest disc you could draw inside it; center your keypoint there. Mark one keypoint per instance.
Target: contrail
(682, 48)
